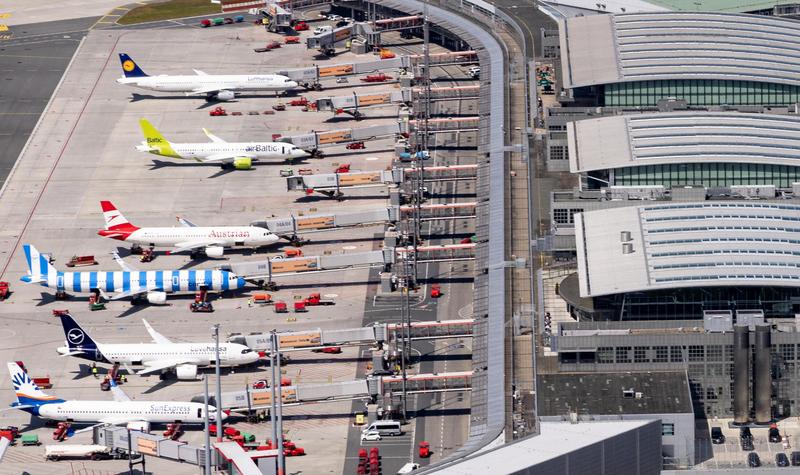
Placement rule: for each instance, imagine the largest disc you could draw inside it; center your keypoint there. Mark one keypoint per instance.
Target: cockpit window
(246, 351)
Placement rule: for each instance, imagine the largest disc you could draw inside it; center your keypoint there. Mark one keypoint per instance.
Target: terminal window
(558, 152)
(668, 429)
(699, 92)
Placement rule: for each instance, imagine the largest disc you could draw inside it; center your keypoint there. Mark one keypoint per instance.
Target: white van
(408, 468)
(323, 29)
(384, 428)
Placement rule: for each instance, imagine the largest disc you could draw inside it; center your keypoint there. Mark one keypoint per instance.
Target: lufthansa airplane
(221, 87)
(160, 356)
(122, 410)
(154, 285)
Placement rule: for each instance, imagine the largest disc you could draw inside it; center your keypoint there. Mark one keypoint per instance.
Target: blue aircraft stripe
(76, 281)
(126, 281)
(109, 281)
(160, 279)
(192, 280)
(142, 279)
(176, 281)
(224, 277)
(43, 265)
(93, 280)
(209, 279)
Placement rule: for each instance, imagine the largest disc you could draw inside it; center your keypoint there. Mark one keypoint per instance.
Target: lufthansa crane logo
(75, 336)
(128, 65)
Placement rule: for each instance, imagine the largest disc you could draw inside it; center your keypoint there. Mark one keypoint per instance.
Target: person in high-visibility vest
(94, 370)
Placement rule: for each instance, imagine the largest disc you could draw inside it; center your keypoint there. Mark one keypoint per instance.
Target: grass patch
(169, 10)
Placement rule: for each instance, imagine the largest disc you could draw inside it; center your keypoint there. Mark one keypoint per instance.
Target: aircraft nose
(292, 83)
(298, 152)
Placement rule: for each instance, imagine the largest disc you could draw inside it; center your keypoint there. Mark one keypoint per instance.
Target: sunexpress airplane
(154, 285)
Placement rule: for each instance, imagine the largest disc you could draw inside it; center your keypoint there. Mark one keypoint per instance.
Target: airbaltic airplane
(122, 410)
(239, 154)
(213, 86)
(213, 240)
(129, 282)
(160, 356)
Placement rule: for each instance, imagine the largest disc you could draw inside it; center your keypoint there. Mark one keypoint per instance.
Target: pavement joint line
(60, 153)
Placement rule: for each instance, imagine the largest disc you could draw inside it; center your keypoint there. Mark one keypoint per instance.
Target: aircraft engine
(157, 298)
(243, 163)
(214, 251)
(225, 95)
(186, 372)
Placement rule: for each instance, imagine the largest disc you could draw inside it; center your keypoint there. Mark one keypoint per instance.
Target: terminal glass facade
(710, 174)
(700, 92)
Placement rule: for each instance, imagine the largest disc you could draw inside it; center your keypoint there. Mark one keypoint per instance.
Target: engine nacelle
(157, 298)
(214, 251)
(225, 95)
(243, 163)
(186, 372)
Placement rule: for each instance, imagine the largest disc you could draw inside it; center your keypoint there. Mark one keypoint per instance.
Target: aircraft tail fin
(155, 141)
(27, 392)
(115, 220)
(77, 337)
(130, 68)
(39, 266)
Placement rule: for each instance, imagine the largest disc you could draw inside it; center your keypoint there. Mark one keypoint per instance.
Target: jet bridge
(315, 140)
(353, 104)
(310, 77)
(449, 58)
(264, 272)
(450, 124)
(331, 184)
(446, 93)
(371, 387)
(372, 335)
(398, 23)
(279, 18)
(440, 253)
(289, 228)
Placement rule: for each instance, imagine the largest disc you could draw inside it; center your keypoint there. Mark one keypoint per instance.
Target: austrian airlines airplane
(122, 410)
(211, 240)
(240, 155)
(213, 86)
(160, 356)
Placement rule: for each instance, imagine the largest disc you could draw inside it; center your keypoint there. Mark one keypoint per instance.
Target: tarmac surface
(83, 151)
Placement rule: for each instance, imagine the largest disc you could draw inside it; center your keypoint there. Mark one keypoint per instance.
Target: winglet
(157, 337)
(123, 264)
(213, 137)
(119, 394)
(199, 73)
(185, 222)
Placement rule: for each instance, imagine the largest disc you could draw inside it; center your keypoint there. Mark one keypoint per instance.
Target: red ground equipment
(300, 26)
(217, 112)
(331, 350)
(78, 261)
(343, 168)
(302, 101)
(424, 449)
(280, 307)
(292, 40)
(61, 431)
(436, 291)
(3, 291)
(300, 306)
(376, 78)
(355, 146)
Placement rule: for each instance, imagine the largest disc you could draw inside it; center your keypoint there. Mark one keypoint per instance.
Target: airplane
(221, 87)
(129, 282)
(190, 237)
(122, 410)
(161, 356)
(239, 155)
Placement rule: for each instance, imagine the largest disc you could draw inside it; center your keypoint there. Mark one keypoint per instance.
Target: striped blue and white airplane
(154, 285)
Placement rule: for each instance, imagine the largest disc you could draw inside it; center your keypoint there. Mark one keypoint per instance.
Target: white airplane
(222, 87)
(122, 410)
(161, 356)
(211, 239)
(240, 155)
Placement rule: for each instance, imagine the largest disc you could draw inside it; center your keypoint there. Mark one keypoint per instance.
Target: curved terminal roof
(683, 137)
(707, 244)
(603, 49)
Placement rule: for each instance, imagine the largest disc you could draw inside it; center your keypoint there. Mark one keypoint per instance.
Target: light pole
(219, 383)
(279, 403)
(273, 346)
(207, 433)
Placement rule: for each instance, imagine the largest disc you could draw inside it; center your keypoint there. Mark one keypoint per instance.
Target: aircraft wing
(119, 394)
(185, 222)
(123, 264)
(128, 293)
(157, 337)
(73, 353)
(209, 88)
(225, 157)
(189, 245)
(157, 366)
(213, 137)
